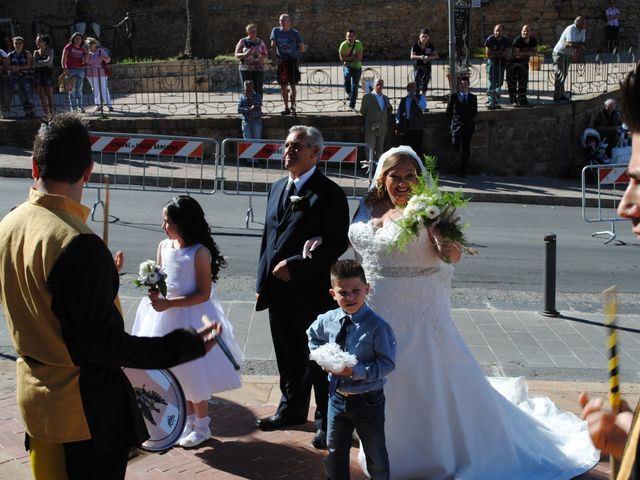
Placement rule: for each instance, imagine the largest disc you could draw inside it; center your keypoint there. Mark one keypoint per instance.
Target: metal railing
(610, 181)
(208, 88)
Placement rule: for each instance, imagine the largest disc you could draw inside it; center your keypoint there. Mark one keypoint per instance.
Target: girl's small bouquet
(431, 207)
(332, 358)
(152, 276)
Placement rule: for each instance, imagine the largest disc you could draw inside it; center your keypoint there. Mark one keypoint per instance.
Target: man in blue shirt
(250, 107)
(356, 398)
(287, 45)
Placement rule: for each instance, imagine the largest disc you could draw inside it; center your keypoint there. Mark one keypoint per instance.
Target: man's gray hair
(609, 101)
(313, 135)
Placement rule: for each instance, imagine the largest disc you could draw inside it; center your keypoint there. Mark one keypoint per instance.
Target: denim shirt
(245, 103)
(368, 337)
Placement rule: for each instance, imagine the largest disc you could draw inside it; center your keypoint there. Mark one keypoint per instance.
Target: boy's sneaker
(195, 438)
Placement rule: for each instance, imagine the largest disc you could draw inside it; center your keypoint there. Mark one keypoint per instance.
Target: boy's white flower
(432, 211)
(295, 198)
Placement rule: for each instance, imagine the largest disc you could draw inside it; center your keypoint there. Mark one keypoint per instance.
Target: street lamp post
(452, 47)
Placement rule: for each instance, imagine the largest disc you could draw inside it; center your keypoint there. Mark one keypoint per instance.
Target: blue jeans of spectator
(23, 86)
(257, 76)
(252, 128)
(495, 79)
(75, 95)
(365, 413)
(351, 82)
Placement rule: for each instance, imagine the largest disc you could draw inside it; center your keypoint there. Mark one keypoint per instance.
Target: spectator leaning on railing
(518, 67)
(252, 52)
(496, 49)
(350, 52)
(250, 107)
(21, 75)
(287, 45)
(570, 48)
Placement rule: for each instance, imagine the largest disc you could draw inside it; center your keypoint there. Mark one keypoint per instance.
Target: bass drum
(162, 404)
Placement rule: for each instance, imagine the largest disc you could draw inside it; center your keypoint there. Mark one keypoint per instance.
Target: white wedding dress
(444, 418)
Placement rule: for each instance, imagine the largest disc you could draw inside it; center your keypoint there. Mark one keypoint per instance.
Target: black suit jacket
(323, 211)
(461, 115)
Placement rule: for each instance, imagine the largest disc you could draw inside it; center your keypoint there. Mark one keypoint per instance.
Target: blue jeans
(252, 128)
(75, 95)
(351, 83)
(365, 413)
(495, 79)
(23, 86)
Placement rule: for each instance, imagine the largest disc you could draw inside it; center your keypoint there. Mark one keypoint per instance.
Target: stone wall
(387, 28)
(540, 141)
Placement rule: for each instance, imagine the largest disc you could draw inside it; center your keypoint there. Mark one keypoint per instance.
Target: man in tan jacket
(376, 109)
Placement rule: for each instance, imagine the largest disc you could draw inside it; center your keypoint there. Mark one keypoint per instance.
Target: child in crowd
(191, 259)
(356, 398)
(250, 107)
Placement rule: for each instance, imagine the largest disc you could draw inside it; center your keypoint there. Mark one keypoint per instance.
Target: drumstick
(610, 310)
(223, 346)
(105, 224)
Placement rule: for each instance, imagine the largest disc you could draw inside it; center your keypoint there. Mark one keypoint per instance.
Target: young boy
(356, 399)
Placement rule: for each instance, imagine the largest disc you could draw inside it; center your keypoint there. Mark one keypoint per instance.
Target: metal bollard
(549, 281)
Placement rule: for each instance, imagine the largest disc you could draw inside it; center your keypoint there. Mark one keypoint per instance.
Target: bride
(444, 418)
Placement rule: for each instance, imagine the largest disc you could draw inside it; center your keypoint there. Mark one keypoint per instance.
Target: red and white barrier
(611, 176)
(147, 146)
(275, 151)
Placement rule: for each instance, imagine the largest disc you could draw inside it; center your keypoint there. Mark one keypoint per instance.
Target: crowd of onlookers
(82, 58)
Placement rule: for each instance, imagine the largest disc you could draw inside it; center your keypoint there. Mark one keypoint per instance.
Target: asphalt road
(506, 274)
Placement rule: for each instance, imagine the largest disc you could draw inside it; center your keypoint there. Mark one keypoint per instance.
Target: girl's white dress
(444, 418)
(203, 376)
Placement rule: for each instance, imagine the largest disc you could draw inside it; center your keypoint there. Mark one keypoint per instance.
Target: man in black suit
(295, 289)
(461, 109)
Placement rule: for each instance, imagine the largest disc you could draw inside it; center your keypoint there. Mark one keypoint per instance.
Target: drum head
(162, 405)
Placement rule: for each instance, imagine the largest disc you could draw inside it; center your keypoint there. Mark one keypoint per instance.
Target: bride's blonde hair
(378, 191)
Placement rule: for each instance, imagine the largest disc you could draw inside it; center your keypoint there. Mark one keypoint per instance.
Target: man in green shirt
(351, 55)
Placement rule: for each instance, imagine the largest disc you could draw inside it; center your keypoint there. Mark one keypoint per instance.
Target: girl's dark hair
(44, 37)
(188, 216)
(631, 99)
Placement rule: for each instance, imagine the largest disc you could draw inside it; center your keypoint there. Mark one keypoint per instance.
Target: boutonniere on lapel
(298, 203)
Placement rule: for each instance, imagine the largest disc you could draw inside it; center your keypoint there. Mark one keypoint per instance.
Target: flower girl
(191, 260)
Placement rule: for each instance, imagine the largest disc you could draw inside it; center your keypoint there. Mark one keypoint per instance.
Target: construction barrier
(158, 163)
(610, 182)
(249, 167)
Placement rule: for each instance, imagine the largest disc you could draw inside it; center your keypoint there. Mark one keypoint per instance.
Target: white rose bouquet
(152, 276)
(431, 207)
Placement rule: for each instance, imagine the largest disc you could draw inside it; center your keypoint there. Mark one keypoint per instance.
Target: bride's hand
(447, 250)
(310, 245)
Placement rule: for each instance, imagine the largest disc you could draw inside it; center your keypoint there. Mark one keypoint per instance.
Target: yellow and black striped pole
(610, 311)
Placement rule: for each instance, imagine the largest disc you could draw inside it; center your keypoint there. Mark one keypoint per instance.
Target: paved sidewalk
(238, 450)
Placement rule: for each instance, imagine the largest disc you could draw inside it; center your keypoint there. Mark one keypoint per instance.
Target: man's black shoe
(277, 422)
(320, 440)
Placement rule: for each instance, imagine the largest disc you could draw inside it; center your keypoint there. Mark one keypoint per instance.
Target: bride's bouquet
(152, 276)
(431, 207)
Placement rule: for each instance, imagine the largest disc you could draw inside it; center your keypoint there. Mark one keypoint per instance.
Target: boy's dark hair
(464, 77)
(630, 99)
(62, 149)
(344, 269)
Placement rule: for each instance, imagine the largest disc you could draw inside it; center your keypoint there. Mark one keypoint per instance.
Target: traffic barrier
(158, 163)
(610, 181)
(249, 167)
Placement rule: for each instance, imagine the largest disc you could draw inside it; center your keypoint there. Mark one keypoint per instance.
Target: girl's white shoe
(195, 437)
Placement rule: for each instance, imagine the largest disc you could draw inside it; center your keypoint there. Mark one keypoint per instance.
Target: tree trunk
(195, 46)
